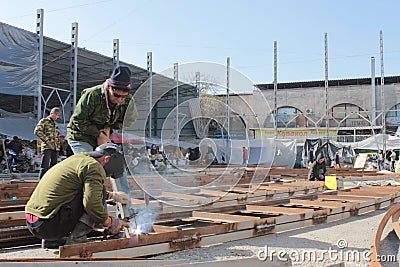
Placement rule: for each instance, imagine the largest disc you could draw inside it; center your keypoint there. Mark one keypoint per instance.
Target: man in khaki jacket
(69, 200)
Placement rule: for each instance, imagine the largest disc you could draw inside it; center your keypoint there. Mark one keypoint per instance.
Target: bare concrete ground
(299, 246)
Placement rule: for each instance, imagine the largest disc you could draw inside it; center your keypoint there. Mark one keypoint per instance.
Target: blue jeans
(122, 183)
(80, 146)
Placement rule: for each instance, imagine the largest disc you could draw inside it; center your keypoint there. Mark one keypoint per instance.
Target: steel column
(275, 89)
(73, 83)
(326, 84)
(150, 92)
(176, 79)
(39, 32)
(115, 53)
(373, 93)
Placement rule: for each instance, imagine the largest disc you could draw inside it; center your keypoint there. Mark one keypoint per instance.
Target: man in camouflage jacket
(99, 110)
(47, 130)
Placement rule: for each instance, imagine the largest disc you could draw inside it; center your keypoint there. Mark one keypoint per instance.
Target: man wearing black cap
(68, 200)
(99, 110)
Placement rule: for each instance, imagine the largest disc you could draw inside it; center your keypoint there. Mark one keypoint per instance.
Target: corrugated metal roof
(321, 83)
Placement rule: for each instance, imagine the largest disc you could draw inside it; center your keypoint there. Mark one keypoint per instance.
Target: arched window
(288, 117)
(393, 115)
(349, 115)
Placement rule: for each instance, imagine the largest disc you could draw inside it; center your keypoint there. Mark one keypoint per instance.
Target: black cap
(120, 78)
(107, 149)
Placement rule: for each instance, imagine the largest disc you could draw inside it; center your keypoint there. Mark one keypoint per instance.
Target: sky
(185, 31)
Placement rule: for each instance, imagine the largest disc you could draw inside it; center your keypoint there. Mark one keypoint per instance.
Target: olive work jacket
(61, 183)
(93, 113)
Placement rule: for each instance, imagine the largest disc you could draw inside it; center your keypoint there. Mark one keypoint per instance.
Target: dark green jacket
(62, 182)
(47, 130)
(92, 114)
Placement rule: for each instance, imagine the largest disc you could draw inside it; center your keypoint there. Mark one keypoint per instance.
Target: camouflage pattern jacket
(92, 114)
(47, 130)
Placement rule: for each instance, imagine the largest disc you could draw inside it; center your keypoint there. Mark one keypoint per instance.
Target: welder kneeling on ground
(68, 202)
(318, 169)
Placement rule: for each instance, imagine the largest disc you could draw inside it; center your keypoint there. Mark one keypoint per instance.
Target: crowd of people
(18, 155)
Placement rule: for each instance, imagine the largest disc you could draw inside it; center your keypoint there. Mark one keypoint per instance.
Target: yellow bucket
(330, 182)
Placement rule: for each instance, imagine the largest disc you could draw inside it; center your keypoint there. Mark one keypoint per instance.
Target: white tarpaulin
(19, 55)
(265, 151)
(376, 142)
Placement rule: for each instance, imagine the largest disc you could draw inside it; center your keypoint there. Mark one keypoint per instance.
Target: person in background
(245, 155)
(337, 160)
(310, 157)
(47, 130)
(392, 160)
(69, 200)
(318, 169)
(381, 160)
(16, 145)
(30, 154)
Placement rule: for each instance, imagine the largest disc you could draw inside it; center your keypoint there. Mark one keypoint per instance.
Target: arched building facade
(345, 113)
(346, 109)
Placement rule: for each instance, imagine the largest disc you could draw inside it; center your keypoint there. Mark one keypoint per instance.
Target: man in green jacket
(69, 199)
(99, 110)
(47, 130)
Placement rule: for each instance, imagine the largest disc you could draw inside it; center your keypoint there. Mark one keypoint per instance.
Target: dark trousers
(49, 159)
(61, 224)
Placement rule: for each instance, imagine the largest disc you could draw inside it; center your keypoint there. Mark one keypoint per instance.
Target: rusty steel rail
(17, 237)
(205, 228)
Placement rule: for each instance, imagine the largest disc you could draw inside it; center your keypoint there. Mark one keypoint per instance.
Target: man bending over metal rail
(69, 200)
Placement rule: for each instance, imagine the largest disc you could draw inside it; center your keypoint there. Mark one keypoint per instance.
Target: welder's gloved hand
(115, 166)
(120, 197)
(116, 225)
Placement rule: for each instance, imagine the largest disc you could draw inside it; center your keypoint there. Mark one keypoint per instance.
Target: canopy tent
(328, 149)
(376, 142)
(267, 151)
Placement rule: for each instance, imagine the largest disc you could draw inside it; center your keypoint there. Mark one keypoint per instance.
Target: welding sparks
(135, 228)
(137, 231)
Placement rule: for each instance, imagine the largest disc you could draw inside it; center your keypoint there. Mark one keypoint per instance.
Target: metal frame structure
(63, 73)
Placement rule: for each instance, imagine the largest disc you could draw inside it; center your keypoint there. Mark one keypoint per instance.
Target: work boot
(53, 244)
(79, 234)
